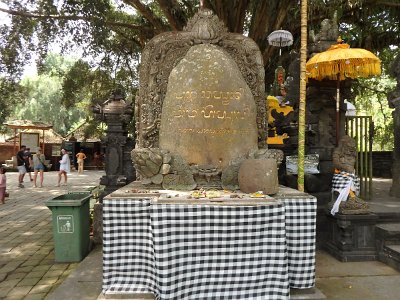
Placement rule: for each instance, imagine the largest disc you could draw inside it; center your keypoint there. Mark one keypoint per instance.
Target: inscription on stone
(209, 114)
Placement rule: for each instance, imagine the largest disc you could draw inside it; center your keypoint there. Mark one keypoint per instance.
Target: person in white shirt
(64, 167)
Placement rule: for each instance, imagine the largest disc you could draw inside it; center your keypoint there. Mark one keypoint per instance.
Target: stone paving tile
(17, 275)
(35, 296)
(53, 274)
(36, 274)
(11, 266)
(29, 281)
(47, 281)
(24, 269)
(59, 267)
(26, 238)
(47, 262)
(42, 267)
(33, 262)
(41, 288)
(19, 291)
(4, 291)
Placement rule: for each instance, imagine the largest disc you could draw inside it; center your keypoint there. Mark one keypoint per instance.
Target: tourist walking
(80, 157)
(3, 181)
(64, 167)
(98, 160)
(21, 165)
(39, 164)
(28, 162)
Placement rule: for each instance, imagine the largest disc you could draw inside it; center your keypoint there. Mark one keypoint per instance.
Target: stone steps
(388, 244)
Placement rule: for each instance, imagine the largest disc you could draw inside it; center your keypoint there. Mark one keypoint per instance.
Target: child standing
(3, 180)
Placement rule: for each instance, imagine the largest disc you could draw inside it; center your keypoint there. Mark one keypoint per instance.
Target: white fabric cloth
(343, 183)
(65, 163)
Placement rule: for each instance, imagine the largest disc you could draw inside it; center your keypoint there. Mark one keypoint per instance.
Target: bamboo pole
(302, 101)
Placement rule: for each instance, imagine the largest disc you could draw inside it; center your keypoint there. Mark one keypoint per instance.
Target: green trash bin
(70, 226)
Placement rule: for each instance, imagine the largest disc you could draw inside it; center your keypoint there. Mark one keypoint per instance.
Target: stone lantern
(116, 113)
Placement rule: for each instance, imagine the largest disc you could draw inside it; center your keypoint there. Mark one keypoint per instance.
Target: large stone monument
(200, 109)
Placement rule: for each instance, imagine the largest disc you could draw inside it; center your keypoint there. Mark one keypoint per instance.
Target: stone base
(306, 294)
(395, 189)
(352, 237)
(131, 296)
(98, 223)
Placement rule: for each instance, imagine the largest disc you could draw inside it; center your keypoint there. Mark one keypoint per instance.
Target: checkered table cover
(128, 252)
(195, 251)
(300, 214)
(220, 252)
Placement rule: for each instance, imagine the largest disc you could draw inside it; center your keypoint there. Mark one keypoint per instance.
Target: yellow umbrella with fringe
(340, 62)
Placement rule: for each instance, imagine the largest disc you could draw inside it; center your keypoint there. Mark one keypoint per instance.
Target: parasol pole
(302, 100)
(337, 108)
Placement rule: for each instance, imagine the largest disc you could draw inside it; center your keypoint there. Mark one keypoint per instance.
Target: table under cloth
(182, 251)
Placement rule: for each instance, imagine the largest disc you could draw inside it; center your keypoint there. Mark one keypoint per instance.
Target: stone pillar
(394, 102)
(116, 113)
(395, 189)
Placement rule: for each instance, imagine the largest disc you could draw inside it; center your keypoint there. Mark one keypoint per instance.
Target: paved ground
(28, 271)
(27, 268)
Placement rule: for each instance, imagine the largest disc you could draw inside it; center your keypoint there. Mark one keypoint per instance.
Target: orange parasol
(340, 62)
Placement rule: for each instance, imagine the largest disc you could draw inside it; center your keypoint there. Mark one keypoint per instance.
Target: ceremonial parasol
(340, 62)
(280, 38)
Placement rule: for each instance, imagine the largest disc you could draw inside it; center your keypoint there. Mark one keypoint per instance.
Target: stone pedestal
(98, 224)
(352, 237)
(395, 189)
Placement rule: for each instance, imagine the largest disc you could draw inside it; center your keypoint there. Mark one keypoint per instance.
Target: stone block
(258, 175)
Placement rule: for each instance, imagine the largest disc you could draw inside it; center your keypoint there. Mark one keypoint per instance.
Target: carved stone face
(344, 156)
(209, 113)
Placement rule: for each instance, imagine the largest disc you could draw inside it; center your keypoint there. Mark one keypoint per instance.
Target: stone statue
(328, 34)
(200, 108)
(279, 85)
(345, 154)
(345, 184)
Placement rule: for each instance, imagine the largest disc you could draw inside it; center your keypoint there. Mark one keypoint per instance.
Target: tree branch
(72, 18)
(147, 14)
(174, 13)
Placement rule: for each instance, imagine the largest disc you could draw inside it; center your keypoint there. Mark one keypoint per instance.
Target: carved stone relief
(165, 51)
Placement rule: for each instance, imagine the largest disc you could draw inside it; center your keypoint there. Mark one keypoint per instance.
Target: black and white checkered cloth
(342, 179)
(209, 252)
(195, 251)
(220, 252)
(128, 253)
(300, 218)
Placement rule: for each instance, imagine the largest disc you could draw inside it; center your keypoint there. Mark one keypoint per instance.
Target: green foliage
(111, 34)
(11, 93)
(371, 100)
(42, 97)
(43, 103)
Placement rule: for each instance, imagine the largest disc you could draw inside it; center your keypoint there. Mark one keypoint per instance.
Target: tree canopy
(110, 34)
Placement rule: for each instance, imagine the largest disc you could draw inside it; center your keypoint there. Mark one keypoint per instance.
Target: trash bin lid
(69, 199)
